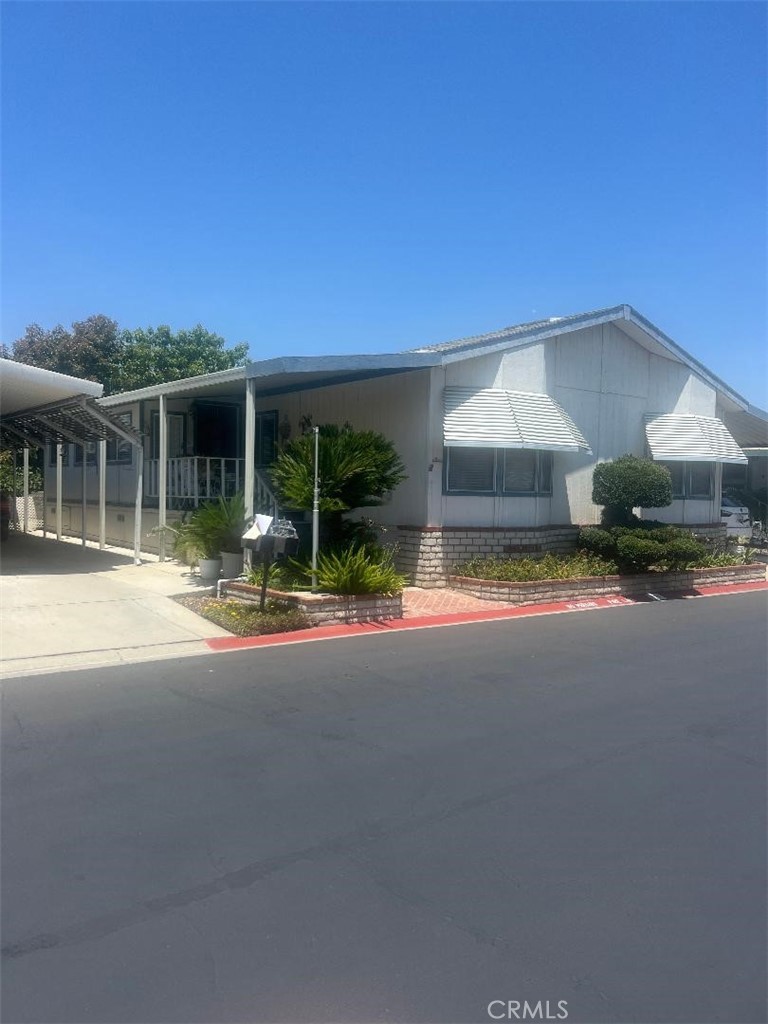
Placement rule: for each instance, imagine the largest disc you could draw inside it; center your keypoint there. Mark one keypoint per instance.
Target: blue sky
(374, 176)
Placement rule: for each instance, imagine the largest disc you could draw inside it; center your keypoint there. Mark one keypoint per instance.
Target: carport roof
(39, 407)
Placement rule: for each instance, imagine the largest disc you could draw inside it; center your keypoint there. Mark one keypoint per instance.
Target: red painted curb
(233, 643)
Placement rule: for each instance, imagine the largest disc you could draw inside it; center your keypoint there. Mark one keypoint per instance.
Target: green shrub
(629, 482)
(244, 619)
(637, 553)
(357, 571)
(598, 541)
(282, 575)
(549, 567)
(647, 546)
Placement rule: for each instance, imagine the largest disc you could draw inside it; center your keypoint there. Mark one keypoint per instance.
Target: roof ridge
(529, 325)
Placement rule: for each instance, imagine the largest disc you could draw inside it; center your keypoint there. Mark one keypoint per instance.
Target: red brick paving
(418, 603)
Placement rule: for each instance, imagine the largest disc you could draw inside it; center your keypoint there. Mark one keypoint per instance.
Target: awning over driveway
(675, 437)
(497, 418)
(39, 407)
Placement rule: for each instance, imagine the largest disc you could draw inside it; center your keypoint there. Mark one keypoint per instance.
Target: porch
(192, 479)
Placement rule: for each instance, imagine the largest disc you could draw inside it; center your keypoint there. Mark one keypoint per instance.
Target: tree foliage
(357, 468)
(96, 349)
(155, 355)
(630, 482)
(91, 349)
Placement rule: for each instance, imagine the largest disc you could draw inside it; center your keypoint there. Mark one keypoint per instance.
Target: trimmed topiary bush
(629, 482)
(639, 549)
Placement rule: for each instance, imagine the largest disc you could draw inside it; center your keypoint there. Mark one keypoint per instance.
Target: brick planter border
(427, 554)
(325, 609)
(546, 591)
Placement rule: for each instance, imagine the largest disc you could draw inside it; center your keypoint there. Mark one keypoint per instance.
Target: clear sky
(334, 177)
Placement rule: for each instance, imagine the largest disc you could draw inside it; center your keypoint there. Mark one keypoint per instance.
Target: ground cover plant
(244, 619)
(549, 567)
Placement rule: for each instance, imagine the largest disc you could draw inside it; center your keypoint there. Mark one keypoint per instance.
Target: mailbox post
(280, 540)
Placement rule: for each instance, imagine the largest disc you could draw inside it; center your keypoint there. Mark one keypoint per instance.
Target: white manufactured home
(499, 435)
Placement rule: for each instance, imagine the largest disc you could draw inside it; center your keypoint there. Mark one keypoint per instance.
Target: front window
(694, 480)
(118, 450)
(506, 471)
(90, 453)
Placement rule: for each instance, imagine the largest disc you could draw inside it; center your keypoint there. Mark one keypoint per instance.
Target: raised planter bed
(325, 609)
(545, 591)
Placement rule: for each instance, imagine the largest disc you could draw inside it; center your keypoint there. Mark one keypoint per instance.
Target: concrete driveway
(65, 606)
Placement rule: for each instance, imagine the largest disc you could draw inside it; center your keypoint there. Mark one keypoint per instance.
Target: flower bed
(545, 591)
(326, 609)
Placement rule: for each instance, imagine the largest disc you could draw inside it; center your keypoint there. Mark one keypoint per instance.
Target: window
(176, 434)
(510, 471)
(266, 438)
(52, 454)
(691, 479)
(90, 449)
(118, 450)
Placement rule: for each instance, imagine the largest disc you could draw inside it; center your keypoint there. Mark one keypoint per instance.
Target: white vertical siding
(394, 405)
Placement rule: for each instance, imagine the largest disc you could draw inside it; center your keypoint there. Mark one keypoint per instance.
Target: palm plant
(213, 527)
(357, 468)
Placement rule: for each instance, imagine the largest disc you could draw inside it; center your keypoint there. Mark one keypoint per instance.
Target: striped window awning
(687, 438)
(496, 418)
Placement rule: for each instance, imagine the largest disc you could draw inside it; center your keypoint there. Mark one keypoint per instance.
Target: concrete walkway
(63, 606)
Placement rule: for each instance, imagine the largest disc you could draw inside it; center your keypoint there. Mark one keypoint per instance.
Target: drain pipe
(234, 579)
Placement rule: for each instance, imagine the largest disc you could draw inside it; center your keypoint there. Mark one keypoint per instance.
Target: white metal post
(137, 512)
(249, 470)
(59, 464)
(316, 509)
(162, 476)
(25, 513)
(83, 494)
(102, 494)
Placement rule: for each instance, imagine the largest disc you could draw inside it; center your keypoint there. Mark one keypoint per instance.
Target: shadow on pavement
(25, 555)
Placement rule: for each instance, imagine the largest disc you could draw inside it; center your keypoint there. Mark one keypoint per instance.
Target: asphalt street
(400, 827)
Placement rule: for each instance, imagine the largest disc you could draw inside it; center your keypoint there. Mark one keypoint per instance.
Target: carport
(40, 408)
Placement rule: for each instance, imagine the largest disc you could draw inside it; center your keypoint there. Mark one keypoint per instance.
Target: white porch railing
(195, 478)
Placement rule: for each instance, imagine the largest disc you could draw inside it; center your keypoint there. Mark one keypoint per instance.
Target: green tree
(91, 349)
(629, 482)
(156, 355)
(357, 469)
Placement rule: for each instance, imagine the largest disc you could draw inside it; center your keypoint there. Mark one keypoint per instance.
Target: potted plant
(231, 516)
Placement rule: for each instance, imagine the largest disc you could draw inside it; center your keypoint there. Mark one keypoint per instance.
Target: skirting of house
(119, 524)
(427, 554)
(326, 609)
(546, 591)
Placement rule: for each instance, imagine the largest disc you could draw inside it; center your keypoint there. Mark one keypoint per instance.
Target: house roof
(283, 374)
(638, 327)
(292, 373)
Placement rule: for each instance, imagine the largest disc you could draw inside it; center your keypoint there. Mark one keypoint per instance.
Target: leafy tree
(91, 349)
(97, 349)
(157, 355)
(630, 482)
(357, 468)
